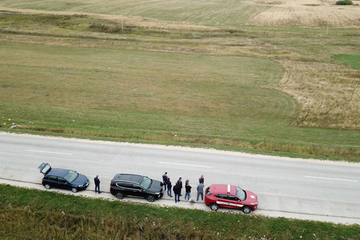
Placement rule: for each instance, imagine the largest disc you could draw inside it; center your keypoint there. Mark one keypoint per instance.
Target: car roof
(223, 189)
(129, 177)
(60, 172)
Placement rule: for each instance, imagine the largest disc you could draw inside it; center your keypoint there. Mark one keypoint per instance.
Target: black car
(136, 185)
(63, 178)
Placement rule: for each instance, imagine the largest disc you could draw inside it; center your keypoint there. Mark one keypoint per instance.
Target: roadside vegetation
(36, 214)
(279, 91)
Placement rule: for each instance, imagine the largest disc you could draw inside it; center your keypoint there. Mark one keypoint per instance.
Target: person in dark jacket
(169, 185)
(179, 182)
(164, 177)
(97, 184)
(177, 191)
(201, 179)
(187, 191)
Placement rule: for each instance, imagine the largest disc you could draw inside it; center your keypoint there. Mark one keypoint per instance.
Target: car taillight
(42, 180)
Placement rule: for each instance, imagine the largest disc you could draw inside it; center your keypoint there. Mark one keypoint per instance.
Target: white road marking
(49, 152)
(188, 165)
(334, 179)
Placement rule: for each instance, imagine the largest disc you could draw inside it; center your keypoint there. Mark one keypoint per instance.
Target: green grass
(107, 91)
(38, 214)
(350, 59)
(153, 96)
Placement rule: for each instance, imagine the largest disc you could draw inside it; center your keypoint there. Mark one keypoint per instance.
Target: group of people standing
(179, 185)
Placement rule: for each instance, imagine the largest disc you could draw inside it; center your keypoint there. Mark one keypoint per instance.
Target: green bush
(344, 2)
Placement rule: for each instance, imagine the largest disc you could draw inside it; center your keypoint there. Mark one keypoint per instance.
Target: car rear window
(45, 169)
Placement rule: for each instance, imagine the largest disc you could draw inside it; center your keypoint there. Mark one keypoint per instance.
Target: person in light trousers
(200, 192)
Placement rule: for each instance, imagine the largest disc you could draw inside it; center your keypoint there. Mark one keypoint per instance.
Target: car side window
(221, 196)
(61, 180)
(232, 198)
(124, 184)
(52, 178)
(136, 186)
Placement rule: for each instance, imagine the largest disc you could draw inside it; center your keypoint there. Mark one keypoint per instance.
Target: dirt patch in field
(306, 13)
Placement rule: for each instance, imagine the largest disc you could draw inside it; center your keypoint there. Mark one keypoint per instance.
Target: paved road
(306, 189)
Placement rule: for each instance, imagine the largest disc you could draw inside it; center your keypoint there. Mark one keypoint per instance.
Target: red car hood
(251, 197)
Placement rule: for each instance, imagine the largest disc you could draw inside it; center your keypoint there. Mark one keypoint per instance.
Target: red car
(229, 196)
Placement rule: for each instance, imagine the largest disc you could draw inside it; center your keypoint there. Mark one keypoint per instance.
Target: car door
(63, 183)
(125, 188)
(52, 181)
(137, 190)
(233, 201)
(221, 200)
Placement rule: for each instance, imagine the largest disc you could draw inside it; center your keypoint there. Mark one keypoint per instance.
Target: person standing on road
(177, 191)
(164, 177)
(179, 182)
(200, 192)
(186, 182)
(187, 191)
(97, 184)
(168, 183)
(201, 179)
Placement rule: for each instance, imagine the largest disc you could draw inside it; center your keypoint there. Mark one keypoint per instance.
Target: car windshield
(146, 183)
(240, 193)
(71, 176)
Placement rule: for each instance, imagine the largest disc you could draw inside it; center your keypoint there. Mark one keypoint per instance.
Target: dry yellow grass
(307, 13)
(329, 94)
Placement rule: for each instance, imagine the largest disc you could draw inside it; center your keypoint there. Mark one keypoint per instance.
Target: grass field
(218, 13)
(49, 215)
(244, 90)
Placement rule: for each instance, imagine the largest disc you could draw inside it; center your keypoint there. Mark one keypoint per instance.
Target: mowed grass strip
(162, 97)
(50, 215)
(206, 13)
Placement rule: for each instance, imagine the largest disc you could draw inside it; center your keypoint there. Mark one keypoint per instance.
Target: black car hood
(155, 186)
(80, 180)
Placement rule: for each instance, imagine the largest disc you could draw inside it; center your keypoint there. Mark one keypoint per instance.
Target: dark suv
(136, 185)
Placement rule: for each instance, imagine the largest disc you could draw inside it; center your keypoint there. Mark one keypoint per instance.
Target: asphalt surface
(291, 188)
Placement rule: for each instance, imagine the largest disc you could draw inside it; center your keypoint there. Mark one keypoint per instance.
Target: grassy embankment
(34, 214)
(83, 77)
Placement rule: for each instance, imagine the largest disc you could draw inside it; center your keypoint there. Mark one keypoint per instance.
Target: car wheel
(119, 195)
(246, 209)
(47, 186)
(214, 206)
(150, 198)
(74, 190)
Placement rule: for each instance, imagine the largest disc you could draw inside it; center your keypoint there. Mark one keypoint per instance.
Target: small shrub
(344, 2)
